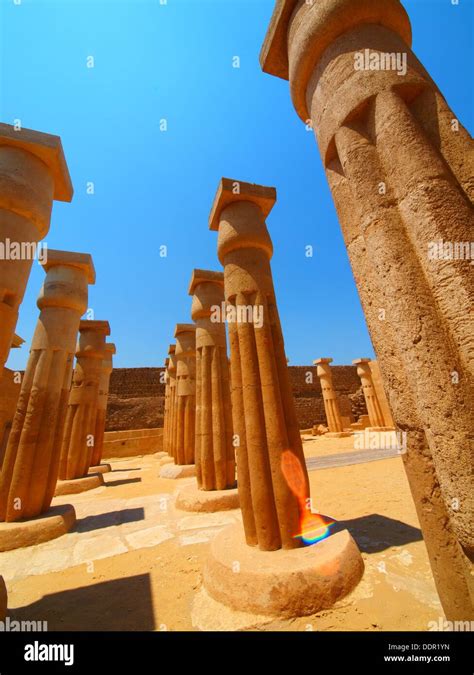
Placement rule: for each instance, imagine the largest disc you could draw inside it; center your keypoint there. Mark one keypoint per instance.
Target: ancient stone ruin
(226, 449)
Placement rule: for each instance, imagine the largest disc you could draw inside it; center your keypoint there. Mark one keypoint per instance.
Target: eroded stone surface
(391, 158)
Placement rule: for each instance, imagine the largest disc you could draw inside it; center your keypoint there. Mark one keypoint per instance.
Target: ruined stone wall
(136, 398)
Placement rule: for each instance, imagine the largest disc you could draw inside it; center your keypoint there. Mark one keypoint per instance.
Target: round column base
(337, 434)
(160, 455)
(54, 523)
(178, 471)
(284, 583)
(76, 485)
(191, 498)
(3, 599)
(100, 468)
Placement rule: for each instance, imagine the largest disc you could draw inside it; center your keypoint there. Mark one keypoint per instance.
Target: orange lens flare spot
(313, 527)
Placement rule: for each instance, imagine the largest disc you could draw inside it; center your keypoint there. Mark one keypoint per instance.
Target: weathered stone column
(171, 426)
(80, 427)
(214, 452)
(184, 407)
(381, 395)
(331, 403)
(374, 409)
(33, 173)
(268, 427)
(400, 168)
(166, 407)
(31, 462)
(104, 381)
(272, 476)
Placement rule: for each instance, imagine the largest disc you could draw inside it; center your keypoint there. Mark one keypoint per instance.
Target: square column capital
(230, 191)
(83, 261)
(205, 276)
(48, 148)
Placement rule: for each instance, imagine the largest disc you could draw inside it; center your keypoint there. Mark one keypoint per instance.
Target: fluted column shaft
(30, 468)
(185, 404)
(264, 417)
(80, 426)
(214, 452)
(370, 395)
(401, 176)
(103, 395)
(331, 403)
(171, 427)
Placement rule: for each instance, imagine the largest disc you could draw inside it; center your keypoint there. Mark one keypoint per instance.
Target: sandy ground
(134, 562)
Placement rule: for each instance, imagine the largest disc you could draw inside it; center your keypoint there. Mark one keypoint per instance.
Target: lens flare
(313, 526)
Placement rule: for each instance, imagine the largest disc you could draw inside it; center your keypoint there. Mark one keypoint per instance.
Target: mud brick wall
(308, 395)
(136, 398)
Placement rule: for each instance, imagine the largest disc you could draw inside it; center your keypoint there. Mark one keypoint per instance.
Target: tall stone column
(31, 462)
(33, 173)
(214, 451)
(171, 425)
(104, 381)
(331, 403)
(374, 409)
(400, 168)
(166, 407)
(184, 406)
(272, 476)
(268, 427)
(80, 427)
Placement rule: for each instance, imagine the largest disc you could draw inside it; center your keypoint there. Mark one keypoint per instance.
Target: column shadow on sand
(121, 604)
(123, 481)
(375, 533)
(109, 519)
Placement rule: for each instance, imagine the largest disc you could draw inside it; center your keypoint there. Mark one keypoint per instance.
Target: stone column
(400, 168)
(264, 412)
(185, 335)
(215, 462)
(272, 476)
(104, 381)
(171, 425)
(33, 173)
(331, 403)
(80, 427)
(381, 395)
(183, 409)
(214, 452)
(31, 462)
(374, 409)
(166, 407)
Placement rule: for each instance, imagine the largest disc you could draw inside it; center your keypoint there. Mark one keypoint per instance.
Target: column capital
(48, 148)
(357, 362)
(317, 362)
(184, 328)
(110, 348)
(101, 327)
(231, 191)
(171, 349)
(82, 261)
(300, 31)
(205, 277)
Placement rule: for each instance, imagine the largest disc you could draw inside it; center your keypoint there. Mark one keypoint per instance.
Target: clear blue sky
(156, 188)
